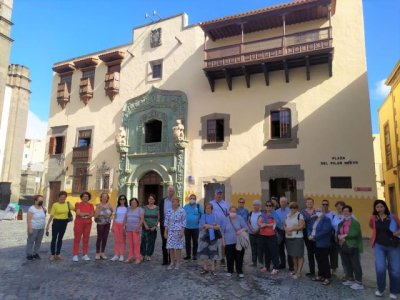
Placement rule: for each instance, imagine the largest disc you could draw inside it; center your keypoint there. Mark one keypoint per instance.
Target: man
(334, 251)
(12, 207)
(165, 205)
(252, 223)
(282, 213)
(221, 212)
(241, 210)
(193, 214)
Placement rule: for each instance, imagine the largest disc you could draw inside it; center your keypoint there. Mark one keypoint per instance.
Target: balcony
(63, 94)
(81, 155)
(302, 49)
(86, 90)
(112, 84)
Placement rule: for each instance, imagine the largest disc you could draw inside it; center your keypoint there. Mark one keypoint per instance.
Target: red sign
(363, 189)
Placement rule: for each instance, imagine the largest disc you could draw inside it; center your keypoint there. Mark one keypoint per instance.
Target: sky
(48, 31)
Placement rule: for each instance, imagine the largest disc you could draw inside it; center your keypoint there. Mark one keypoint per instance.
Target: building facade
(260, 104)
(32, 166)
(14, 107)
(390, 145)
(380, 183)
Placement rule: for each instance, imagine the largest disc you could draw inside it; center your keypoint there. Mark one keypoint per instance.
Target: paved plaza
(22, 279)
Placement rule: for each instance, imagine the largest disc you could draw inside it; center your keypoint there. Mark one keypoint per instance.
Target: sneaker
(29, 257)
(103, 256)
(357, 286)
(86, 257)
(114, 258)
(97, 257)
(75, 258)
(241, 275)
(121, 258)
(348, 283)
(177, 267)
(228, 274)
(393, 296)
(36, 256)
(148, 258)
(378, 293)
(274, 272)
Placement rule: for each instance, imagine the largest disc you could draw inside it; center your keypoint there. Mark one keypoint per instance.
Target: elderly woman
(133, 224)
(321, 233)
(294, 225)
(175, 223)
(82, 226)
(59, 220)
(149, 230)
(385, 241)
(102, 216)
(350, 242)
(36, 220)
(118, 228)
(208, 240)
(233, 227)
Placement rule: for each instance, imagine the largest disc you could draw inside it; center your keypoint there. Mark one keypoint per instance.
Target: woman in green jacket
(350, 242)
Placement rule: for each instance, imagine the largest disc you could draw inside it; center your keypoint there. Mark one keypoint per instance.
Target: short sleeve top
(38, 217)
(292, 221)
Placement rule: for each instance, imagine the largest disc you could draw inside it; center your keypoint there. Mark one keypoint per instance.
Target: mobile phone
(47, 233)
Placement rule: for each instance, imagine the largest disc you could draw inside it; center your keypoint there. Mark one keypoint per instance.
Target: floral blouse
(175, 220)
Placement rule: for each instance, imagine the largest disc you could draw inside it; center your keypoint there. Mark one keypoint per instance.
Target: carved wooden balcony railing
(85, 90)
(112, 84)
(81, 154)
(63, 94)
(277, 53)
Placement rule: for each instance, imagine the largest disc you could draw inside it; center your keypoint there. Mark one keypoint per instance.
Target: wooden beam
(246, 76)
(285, 66)
(330, 65)
(266, 73)
(211, 81)
(308, 67)
(228, 79)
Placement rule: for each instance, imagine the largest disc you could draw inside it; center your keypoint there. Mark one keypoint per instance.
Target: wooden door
(55, 188)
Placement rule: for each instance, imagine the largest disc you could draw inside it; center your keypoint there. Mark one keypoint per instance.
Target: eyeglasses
(268, 205)
(325, 204)
(192, 198)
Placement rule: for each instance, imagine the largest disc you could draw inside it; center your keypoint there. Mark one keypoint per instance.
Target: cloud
(36, 129)
(381, 90)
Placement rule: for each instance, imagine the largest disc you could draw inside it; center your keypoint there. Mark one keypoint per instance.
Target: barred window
(215, 131)
(281, 124)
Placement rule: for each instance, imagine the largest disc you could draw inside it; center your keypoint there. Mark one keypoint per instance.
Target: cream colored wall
(378, 166)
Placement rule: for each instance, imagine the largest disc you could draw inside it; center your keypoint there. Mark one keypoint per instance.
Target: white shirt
(120, 213)
(254, 219)
(292, 221)
(38, 217)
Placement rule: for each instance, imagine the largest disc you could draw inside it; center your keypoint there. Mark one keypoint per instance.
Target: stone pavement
(42, 279)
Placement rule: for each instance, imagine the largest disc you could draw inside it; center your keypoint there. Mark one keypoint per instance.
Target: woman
(208, 242)
(350, 243)
(231, 229)
(385, 241)
(59, 220)
(102, 217)
(133, 224)
(321, 233)
(175, 223)
(268, 240)
(149, 230)
(118, 228)
(82, 226)
(294, 225)
(310, 216)
(36, 220)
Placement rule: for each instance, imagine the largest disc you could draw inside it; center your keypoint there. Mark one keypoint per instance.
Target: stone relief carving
(120, 137)
(178, 131)
(155, 38)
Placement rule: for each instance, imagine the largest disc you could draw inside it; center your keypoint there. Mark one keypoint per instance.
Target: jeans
(322, 256)
(270, 249)
(310, 245)
(102, 236)
(387, 258)
(34, 241)
(148, 240)
(256, 253)
(282, 255)
(351, 259)
(57, 233)
(191, 235)
(82, 231)
(234, 258)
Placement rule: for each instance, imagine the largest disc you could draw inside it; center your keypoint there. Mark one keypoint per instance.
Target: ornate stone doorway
(150, 183)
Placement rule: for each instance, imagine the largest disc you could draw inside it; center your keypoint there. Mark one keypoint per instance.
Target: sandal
(202, 272)
(213, 273)
(326, 282)
(317, 278)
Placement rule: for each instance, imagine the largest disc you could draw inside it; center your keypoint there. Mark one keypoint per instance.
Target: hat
(218, 190)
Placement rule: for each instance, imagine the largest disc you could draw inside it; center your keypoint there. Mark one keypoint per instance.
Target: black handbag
(70, 216)
(217, 232)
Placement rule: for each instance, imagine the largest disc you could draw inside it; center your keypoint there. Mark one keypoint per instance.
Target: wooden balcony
(111, 84)
(63, 94)
(86, 90)
(302, 49)
(81, 154)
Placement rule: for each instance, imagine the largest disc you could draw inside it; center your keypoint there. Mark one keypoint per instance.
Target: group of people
(277, 234)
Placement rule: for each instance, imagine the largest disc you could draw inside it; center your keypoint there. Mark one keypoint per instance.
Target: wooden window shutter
(63, 144)
(52, 145)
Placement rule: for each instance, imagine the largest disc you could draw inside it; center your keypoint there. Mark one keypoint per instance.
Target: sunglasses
(325, 204)
(192, 198)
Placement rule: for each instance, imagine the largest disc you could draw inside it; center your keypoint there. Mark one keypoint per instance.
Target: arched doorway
(150, 183)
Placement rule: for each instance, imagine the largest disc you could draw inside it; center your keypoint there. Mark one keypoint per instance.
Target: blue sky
(47, 31)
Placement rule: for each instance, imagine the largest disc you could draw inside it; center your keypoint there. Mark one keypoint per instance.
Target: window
(341, 182)
(153, 131)
(56, 145)
(89, 73)
(388, 149)
(79, 183)
(215, 131)
(156, 69)
(280, 124)
(106, 182)
(84, 138)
